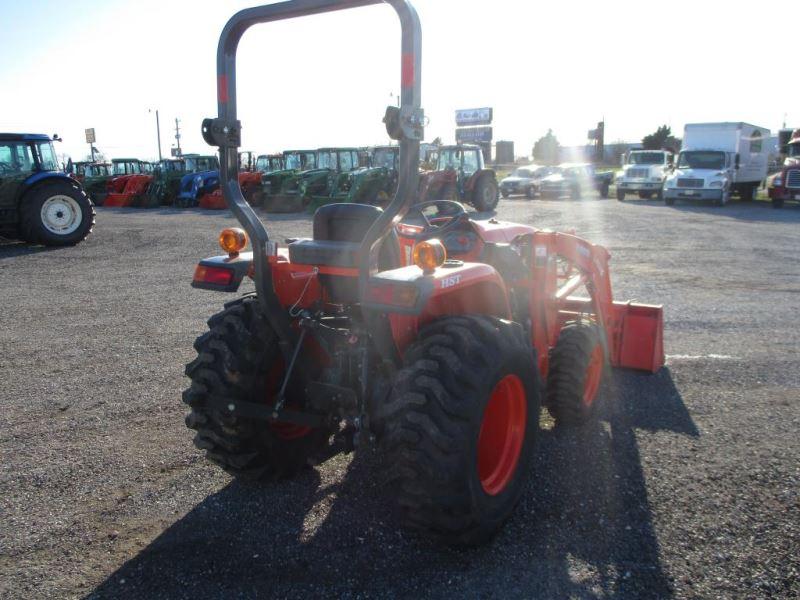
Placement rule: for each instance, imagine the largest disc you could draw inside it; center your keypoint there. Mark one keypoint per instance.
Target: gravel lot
(689, 487)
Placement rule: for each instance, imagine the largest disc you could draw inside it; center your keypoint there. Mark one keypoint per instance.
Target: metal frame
(225, 132)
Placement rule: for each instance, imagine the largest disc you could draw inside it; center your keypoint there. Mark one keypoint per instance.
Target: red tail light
(213, 275)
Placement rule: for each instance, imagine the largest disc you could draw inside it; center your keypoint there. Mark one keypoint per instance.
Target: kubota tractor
(415, 328)
(461, 174)
(130, 183)
(249, 181)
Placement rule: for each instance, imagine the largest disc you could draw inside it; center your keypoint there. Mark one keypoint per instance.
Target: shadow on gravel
(583, 529)
(14, 249)
(758, 211)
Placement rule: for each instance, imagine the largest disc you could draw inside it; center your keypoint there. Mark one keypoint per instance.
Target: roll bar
(406, 125)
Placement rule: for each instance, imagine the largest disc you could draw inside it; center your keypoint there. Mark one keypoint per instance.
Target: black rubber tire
(604, 191)
(429, 427)
(777, 203)
(620, 195)
(485, 195)
(660, 194)
(33, 231)
(530, 193)
(233, 360)
(747, 193)
(504, 194)
(569, 360)
(645, 195)
(669, 201)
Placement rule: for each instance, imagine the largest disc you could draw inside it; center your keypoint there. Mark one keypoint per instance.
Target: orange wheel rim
(594, 371)
(502, 434)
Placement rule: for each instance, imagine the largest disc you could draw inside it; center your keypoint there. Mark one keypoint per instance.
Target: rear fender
(411, 298)
(39, 179)
(472, 181)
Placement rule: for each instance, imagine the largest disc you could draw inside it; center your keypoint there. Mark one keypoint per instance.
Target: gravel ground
(688, 487)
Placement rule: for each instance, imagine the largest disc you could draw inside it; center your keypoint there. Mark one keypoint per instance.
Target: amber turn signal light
(429, 254)
(232, 240)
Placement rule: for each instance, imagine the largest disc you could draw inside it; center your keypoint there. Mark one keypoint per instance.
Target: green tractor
(373, 184)
(169, 172)
(95, 180)
(294, 162)
(329, 180)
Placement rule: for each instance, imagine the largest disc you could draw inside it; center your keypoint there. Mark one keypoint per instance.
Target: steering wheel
(453, 212)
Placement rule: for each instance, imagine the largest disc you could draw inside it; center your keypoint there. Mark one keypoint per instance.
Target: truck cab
(785, 185)
(717, 161)
(643, 173)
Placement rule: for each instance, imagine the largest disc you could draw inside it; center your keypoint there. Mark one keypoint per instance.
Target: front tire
(238, 359)
(461, 425)
(620, 195)
(56, 214)
(777, 203)
(485, 195)
(576, 369)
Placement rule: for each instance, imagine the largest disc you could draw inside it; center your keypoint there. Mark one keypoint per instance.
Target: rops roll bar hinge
(222, 133)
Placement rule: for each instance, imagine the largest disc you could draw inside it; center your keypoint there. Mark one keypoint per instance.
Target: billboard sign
(475, 135)
(473, 116)
(90, 136)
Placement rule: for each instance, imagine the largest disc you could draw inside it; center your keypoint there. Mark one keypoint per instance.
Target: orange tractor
(131, 181)
(249, 182)
(432, 335)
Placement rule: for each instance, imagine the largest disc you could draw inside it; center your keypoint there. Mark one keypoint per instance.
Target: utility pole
(178, 135)
(158, 132)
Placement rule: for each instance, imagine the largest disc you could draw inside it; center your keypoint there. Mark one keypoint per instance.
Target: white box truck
(718, 160)
(643, 173)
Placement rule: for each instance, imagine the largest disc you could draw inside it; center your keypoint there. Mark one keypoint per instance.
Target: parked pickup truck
(575, 180)
(524, 180)
(643, 173)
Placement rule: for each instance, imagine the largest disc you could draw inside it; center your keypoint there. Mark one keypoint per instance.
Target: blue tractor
(194, 186)
(39, 203)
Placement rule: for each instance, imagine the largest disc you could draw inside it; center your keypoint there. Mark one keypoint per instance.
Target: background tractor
(94, 178)
(129, 183)
(202, 179)
(313, 187)
(249, 182)
(39, 203)
(294, 162)
(416, 328)
(460, 174)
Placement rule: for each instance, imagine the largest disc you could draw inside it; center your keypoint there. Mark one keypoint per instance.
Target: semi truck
(785, 184)
(718, 160)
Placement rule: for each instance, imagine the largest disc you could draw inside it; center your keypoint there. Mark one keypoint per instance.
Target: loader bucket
(213, 201)
(640, 336)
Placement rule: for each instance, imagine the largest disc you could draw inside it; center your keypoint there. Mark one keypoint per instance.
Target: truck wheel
(485, 196)
(669, 201)
(620, 195)
(747, 193)
(530, 193)
(604, 190)
(660, 194)
(777, 203)
(504, 194)
(56, 214)
(460, 426)
(238, 359)
(576, 369)
(645, 195)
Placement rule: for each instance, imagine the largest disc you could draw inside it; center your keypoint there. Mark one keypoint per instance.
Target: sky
(325, 81)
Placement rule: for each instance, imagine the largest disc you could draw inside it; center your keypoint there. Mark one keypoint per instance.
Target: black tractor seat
(338, 232)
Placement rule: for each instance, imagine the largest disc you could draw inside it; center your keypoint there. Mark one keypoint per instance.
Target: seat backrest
(344, 222)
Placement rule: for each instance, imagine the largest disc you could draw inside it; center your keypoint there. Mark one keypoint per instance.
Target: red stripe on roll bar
(407, 75)
(222, 88)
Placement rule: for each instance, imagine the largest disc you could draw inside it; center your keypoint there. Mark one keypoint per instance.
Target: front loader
(415, 328)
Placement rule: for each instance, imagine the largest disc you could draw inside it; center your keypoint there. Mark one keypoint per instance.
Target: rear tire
(777, 203)
(747, 193)
(238, 359)
(604, 191)
(576, 367)
(530, 193)
(460, 467)
(56, 214)
(620, 195)
(485, 195)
